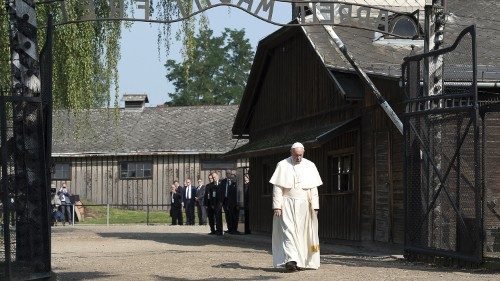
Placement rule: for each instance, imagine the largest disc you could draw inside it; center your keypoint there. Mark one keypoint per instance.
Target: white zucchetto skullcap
(297, 145)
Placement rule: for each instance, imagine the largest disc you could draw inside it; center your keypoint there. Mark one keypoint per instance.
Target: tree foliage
(86, 55)
(215, 72)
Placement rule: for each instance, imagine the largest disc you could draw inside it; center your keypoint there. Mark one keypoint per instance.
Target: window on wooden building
(62, 171)
(136, 170)
(341, 175)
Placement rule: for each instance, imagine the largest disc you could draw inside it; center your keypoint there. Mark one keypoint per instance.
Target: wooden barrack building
(130, 156)
(302, 89)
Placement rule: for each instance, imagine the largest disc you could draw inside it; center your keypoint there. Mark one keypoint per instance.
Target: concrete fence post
(107, 214)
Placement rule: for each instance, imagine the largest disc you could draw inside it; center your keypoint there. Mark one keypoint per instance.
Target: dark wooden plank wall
(260, 201)
(297, 93)
(340, 213)
(397, 181)
(339, 217)
(97, 179)
(382, 181)
(367, 178)
(383, 195)
(284, 108)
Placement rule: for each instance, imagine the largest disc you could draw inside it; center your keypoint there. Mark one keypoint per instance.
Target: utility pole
(435, 19)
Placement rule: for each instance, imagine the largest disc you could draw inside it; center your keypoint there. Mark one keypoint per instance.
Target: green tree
(86, 55)
(215, 72)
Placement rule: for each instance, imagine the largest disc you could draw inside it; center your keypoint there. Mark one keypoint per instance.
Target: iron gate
(443, 153)
(25, 141)
(490, 115)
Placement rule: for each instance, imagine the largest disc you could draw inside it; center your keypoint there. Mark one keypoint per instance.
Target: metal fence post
(73, 214)
(6, 197)
(147, 214)
(107, 214)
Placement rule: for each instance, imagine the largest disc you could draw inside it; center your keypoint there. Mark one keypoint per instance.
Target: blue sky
(140, 69)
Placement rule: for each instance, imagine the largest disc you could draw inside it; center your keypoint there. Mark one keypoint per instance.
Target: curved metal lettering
(336, 13)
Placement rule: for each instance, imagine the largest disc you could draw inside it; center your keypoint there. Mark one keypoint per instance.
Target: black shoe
(219, 233)
(291, 266)
(212, 233)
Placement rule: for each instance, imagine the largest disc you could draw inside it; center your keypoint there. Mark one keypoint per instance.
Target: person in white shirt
(295, 241)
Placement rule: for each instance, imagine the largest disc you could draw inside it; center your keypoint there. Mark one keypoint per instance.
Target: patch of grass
(97, 215)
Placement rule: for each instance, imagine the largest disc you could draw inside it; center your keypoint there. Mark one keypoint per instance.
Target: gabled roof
(377, 58)
(154, 130)
(136, 97)
(313, 137)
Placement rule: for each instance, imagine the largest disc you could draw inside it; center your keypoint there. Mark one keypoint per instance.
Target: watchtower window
(404, 26)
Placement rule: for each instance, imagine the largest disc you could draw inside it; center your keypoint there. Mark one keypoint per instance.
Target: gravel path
(139, 252)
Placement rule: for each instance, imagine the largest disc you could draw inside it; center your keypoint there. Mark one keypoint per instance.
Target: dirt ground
(140, 252)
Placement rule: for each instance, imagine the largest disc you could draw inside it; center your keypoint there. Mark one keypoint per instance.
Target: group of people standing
(295, 239)
(210, 200)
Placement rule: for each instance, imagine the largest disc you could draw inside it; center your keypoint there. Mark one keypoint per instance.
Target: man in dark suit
(200, 203)
(216, 202)
(231, 207)
(208, 203)
(176, 204)
(189, 195)
(246, 202)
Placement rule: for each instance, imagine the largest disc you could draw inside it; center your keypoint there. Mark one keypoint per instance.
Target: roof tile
(189, 129)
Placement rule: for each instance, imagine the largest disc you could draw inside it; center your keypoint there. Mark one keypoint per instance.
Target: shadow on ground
(253, 277)
(359, 261)
(334, 256)
(236, 265)
(187, 239)
(76, 276)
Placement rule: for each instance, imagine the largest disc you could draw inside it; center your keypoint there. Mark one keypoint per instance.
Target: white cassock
(295, 233)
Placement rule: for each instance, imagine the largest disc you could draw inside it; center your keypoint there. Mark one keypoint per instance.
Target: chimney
(135, 101)
(295, 11)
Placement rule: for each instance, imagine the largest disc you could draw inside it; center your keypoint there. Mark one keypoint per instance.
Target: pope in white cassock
(295, 205)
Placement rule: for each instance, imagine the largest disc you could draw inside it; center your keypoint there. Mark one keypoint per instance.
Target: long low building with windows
(130, 156)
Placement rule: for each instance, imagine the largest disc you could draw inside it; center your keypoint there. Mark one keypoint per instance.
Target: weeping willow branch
(86, 55)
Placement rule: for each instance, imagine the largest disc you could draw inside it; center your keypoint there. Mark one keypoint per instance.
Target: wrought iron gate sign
(334, 13)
